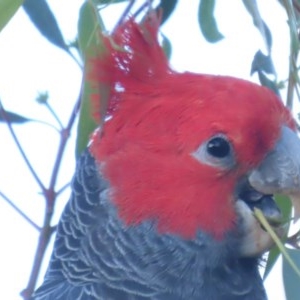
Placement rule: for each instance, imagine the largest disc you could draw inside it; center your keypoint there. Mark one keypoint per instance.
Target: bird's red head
(176, 144)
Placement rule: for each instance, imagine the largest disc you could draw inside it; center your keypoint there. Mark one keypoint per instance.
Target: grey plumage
(97, 257)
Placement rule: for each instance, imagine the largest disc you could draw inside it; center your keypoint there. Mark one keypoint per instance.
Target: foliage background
(32, 67)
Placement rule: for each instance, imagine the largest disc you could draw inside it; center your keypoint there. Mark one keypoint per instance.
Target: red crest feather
(132, 54)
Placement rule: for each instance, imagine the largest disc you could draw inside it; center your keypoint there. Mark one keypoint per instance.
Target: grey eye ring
(217, 152)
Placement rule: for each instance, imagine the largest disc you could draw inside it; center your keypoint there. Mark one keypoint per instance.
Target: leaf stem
(53, 113)
(12, 132)
(19, 211)
(124, 14)
(77, 61)
(65, 133)
(258, 213)
(63, 188)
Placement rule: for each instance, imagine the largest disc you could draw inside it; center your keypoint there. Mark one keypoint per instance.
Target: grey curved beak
(279, 173)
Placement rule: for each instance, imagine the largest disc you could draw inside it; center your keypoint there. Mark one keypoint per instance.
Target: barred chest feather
(97, 257)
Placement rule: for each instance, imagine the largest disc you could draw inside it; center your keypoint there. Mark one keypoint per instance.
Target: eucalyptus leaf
(273, 256)
(262, 62)
(285, 207)
(90, 27)
(7, 9)
(207, 22)
(167, 7)
(167, 46)
(252, 8)
(44, 20)
(89, 38)
(265, 81)
(108, 2)
(12, 117)
(291, 279)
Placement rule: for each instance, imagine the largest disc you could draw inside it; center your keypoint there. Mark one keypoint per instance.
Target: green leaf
(7, 9)
(12, 117)
(265, 81)
(291, 279)
(274, 254)
(167, 46)
(252, 8)
(167, 7)
(277, 240)
(86, 123)
(44, 20)
(207, 21)
(100, 2)
(285, 207)
(262, 62)
(90, 27)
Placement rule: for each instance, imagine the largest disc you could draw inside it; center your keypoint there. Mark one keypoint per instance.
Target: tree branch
(65, 133)
(43, 242)
(50, 196)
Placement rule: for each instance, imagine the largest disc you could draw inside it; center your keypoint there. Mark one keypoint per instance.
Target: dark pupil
(218, 147)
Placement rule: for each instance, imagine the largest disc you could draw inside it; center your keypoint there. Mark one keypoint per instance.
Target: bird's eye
(217, 152)
(218, 147)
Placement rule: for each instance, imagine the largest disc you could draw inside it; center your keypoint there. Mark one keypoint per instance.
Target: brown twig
(290, 92)
(43, 242)
(296, 6)
(148, 4)
(65, 133)
(294, 51)
(50, 196)
(124, 14)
